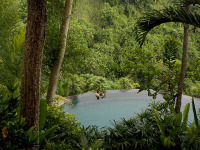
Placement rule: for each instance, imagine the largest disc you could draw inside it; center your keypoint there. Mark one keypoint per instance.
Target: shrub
(68, 131)
(195, 90)
(11, 125)
(125, 83)
(91, 138)
(70, 85)
(158, 127)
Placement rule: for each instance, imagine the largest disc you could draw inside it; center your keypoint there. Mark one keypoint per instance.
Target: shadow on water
(74, 100)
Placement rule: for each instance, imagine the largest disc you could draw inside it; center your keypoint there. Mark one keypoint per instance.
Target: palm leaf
(189, 2)
(195, 113)
(155, 18)
(59, 100)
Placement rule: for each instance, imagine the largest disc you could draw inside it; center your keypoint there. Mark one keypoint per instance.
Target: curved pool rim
(117, 104)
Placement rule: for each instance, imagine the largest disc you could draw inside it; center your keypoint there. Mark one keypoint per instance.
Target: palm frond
(59, 100)
(155, 18)
(189, 2)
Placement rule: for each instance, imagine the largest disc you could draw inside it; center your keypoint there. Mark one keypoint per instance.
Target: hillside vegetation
(102, 53)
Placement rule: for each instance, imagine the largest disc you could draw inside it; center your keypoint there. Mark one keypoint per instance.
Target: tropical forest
(99, 75)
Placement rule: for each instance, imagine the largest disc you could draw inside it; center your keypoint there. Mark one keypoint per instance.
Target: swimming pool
(117, 104)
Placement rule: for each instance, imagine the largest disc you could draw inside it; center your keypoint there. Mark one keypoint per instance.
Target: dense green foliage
(58, 127)
(100, 42)
(158, 127)
(108, 48)
(101, 54)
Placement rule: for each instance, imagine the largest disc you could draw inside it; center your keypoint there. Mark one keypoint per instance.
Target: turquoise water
(117, 104)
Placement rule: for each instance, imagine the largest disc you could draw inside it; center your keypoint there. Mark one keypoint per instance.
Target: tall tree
(32, 62)
(62, 46)
(183, 65)
(170, 14)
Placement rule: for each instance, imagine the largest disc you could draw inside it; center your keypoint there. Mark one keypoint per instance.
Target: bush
(68, 132)
(70, 85)
(125, 83)
(74, 84)
(135, 133)
(195, 90)
(13, 135)
(92, 138)
(60, 130)
(158, 127)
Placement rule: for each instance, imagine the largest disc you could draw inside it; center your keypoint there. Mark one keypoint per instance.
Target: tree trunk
(184, 64)
(62, 46)
(32, 63)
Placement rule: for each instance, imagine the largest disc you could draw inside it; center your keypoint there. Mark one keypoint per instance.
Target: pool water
(115, 105)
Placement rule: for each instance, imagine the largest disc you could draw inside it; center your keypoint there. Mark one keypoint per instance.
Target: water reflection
(75, 101)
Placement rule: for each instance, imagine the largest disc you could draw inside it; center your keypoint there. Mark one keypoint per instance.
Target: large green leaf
(16, 93)
(195, 113)
(185, 115)
(97, 144)
(43, 134)
(43, 113)
(84, 141)
(31, 136)
(159, 124)
(178, 119)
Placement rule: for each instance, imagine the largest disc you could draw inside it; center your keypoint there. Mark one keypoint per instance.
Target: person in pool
(97, 94)
(102, 94)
